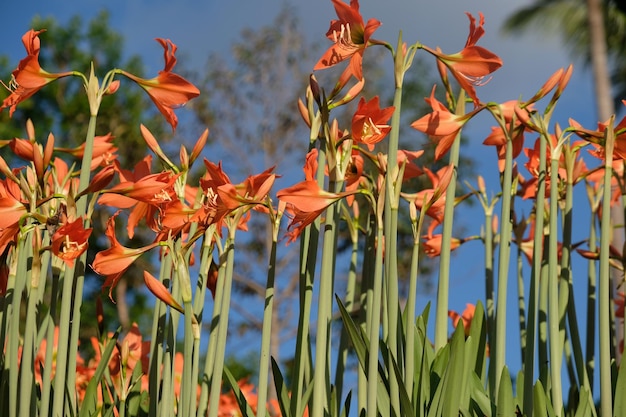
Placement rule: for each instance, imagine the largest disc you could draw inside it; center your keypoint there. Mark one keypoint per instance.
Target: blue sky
(202, 27)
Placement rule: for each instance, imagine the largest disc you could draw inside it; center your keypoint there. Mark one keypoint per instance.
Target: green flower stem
(393, 185)
(159, 317)
(171, 330)
(590, 346)
(368, 271)
(209, 363)
(443, 286)
(220, 348)
(65, 378)
(535, 273)
(266, 334)
(566, 275)
(409, 312)
(44, 408)
(604, 299)
(308, 263)
(503, 265)
(521, 302)
(489, 292)
(321, 372)
(24, 243)
(27, 387)
(556, 347)
(188, 388)
(199, 302)
(373, 326)
(344, 342)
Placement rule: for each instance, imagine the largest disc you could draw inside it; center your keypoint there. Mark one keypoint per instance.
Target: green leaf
(360, 342)
(619, 408)
(244, 407)
(584, 406)
(284, 401)
(505, 404)
(90, 403)
(479, 396)
(540, 408)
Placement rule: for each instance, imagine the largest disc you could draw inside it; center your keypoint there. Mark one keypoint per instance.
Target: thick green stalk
(209, 363)
(604, 298)
(344, 342)
(65, 378)
(443, 284)
(556, 346)
(159, 317)
(198, 308)
(489, 293)
(503, 265)
(266, 333)
(535, 273)
(27, 365)
(321, 372)
(566, 276)
(220, 349)
(14, 333)
(409, 312)
(393, 182)
(373, 328)
(590, 332)
(44, 408)
(188, 389)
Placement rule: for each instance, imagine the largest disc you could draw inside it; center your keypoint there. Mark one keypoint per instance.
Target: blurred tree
(61, 108)
(594, 30)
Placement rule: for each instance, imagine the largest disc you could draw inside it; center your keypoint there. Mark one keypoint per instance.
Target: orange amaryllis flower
(467, 316)
(432, 245)
(441, 125)
(433, 199)
(369, 123)
(114, 261)
(168, 90)
(157, 288)
(251, 192)
(29, 77)
(350, 36)
(470, 66)
(70, 241)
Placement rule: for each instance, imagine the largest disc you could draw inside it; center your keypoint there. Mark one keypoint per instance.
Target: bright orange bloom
(510, 112)
(113, 262)
(157, 288)
(168, 90)
(433, 199)
(350, 36)
(432, 245)
(70, 241)
(467, 316)
(369, 123)
(29, 77)
(470, 65)
(441, 125)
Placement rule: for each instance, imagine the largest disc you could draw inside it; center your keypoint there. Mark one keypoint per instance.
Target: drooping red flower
(369, 123)
(467, 316)
(441, 125)
(473, 63)
(350, 36)
(29, 77)
(70, 241)
(113, 262)
(168, 90)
